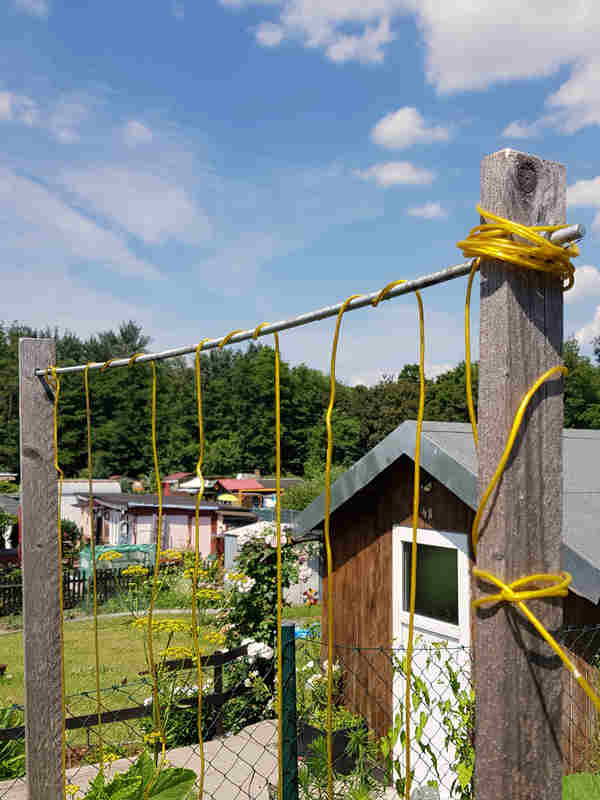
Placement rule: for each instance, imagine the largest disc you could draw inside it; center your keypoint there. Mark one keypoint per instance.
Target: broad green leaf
(581, 786)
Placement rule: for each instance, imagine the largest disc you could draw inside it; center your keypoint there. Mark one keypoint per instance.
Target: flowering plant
(251, 591)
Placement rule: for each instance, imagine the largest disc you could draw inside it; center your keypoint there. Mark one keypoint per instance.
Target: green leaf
(581, 786)
(464, 773)
(174, 783)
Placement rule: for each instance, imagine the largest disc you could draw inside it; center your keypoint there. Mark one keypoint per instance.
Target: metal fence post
(290, 730)
(41, 576)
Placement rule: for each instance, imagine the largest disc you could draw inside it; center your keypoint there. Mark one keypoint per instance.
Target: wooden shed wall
(361, 534)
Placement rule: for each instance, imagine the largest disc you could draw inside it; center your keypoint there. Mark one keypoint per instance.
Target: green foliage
(143, 780)
(253, 613)
(581, 786)
(12, 753)
(6, 487)
(457, 719)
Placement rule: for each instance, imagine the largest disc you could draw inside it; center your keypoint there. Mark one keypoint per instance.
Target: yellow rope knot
(558, 587)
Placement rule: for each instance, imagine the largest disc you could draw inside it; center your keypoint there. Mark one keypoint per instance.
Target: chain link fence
(240, 726)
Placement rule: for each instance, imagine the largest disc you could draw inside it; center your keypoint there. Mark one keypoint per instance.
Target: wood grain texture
(361, 534)
(518, 681)
(41, 576)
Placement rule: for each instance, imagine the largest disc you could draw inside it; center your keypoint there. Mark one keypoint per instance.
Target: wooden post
(517, 678)
(41, 576)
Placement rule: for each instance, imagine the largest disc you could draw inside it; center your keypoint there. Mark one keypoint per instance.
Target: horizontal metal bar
(563, 236)
(303, 319)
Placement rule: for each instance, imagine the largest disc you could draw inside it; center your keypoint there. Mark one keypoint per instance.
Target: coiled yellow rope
(55, 386)
(199, 496)
(279, 569)
(88, 416)
(492, 241)
(495, 241)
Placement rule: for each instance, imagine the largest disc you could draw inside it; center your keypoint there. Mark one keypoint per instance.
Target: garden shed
(371, 530)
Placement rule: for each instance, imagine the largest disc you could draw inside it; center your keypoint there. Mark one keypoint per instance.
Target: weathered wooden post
(517, 678)
(41, 576)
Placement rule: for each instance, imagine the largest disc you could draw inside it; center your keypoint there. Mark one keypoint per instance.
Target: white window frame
(453, 541)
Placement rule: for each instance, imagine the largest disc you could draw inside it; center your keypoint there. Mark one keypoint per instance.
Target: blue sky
(204, 166)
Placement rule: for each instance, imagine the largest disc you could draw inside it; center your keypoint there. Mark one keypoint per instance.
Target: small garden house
(371, 530)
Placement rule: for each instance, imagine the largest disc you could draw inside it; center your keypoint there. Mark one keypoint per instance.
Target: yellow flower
(110, 555)
(163, 625)
(72, 789)
(135, 571)
(215, 637)
(154, 736)
(171, 555)
(176, 653)
(110, 757)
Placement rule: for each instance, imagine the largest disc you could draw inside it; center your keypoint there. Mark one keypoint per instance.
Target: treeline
(239, 416)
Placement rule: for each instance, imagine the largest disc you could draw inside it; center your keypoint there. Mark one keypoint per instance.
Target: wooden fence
(76, 588)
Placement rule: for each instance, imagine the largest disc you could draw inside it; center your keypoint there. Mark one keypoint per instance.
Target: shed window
(437, 582)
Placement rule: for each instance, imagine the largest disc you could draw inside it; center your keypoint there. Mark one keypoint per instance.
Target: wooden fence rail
(76, 589)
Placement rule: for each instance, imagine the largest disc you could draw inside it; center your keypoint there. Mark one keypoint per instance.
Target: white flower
(309, 665)
(259, 650)
(247, 683)
(304, 573)
(147, 701)
(247, 641)
(254, 673)
(312, 680)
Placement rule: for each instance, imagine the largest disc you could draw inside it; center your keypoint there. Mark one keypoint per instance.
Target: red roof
(177, 476)
(234, 485)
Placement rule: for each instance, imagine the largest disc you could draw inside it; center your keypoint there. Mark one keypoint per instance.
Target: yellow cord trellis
(495, 242)
(199, 496)
(55, 385)
(88, 417)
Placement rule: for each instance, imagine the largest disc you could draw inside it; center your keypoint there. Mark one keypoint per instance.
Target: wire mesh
(240, 731)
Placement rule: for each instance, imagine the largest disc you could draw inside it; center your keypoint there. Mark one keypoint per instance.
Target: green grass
(121, 660)
(303, 614)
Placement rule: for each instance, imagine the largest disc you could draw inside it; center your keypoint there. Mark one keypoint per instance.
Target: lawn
(121, 660)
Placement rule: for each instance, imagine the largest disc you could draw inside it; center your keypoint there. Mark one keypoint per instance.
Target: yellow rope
(88, 415)
(415, 520)
(469, 387)
(328, 543)
(279, 569)
(199, 496)
(495, 241)
(55, 385)
(492, 241)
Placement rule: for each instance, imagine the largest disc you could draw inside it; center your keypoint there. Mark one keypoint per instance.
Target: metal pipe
(571, 233)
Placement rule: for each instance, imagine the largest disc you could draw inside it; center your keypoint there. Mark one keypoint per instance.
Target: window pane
(437, 582)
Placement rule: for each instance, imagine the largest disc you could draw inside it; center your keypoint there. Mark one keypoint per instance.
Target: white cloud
(587, 284)
(470, 44)
(590, 331)
(391, 173)
(36, 8)
(18, 108)
(135, 133)
(366, 47)
(66, 118)
(586, 193)
(150, 207)
(37, 227)
(269, 34)
(405, 127)
(428, 211)
(521, 130)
